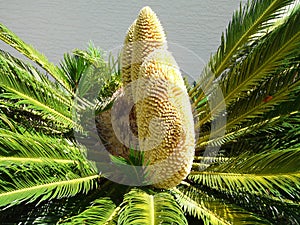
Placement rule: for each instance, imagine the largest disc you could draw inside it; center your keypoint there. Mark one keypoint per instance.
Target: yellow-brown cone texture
(163, 113)
(126, 56)
(165, 121)
(148, 35)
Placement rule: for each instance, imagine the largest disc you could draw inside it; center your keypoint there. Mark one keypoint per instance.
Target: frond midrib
(152, 210)
(47, 108)
(202, 208)
(36, 160)
(224, 62)
(286, 174)
(253, 75)
(47, 185)
(278, 95)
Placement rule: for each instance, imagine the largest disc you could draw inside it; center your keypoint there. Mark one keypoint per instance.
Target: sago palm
(245, 170)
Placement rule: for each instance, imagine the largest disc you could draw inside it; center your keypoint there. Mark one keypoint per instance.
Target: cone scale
(163, 112)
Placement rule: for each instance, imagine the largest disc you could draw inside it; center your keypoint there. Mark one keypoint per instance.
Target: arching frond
(36, 167)
(274, 175)
(28, 182)
(29, 73)
(14, 41)
(140, 207)
(213, 210)
(23, 89)
(75, 65)
(102, 211)
(248, 24)
(274, 51)
(281, 132)
(37, 146)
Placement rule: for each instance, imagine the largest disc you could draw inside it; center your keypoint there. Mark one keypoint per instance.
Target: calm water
(55, 27)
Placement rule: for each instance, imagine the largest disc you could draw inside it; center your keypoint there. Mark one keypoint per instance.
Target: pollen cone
(162, 116)
(126, 56)
(165, 121)
(148, 35)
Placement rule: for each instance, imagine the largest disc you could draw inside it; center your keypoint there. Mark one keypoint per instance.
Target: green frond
(75, 65)
(39, 146)
(29, 181)
(255, 128)
(280, 133)
(6, 123)
(29, 73)
(248, 23)
(16, 160)
(14, 41)
(32, 94)
(212, 210)
(273, 52)
(280, 89)
(274, 175)
(142, 208)
(23, 119)
(103, 211)
(92, 55)
(36, 167)
(203, 162)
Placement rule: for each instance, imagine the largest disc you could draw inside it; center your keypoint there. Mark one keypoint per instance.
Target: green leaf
(213, 210)
(33, 94)
(102, 212)
(31, 181)
(274, 175)
(146, 209)
(14, 41)
(246, 24)
(272, 52)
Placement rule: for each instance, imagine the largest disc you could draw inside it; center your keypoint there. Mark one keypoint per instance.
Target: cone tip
(146, 10)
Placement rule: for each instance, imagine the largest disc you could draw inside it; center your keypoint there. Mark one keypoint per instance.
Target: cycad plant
(46, 176)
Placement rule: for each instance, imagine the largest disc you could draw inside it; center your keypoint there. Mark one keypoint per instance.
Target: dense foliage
(45, 177)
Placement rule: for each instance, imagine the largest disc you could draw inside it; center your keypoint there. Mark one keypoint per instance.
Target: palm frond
(102, 211)
(281, 132)
(21, 88)
(212, 210)
(37, 145)
(6, 123)
(273, 52)
(29, 182)
(248, 23)
(37, 167)
(255, 119)
(274, 175)
(14, 41)
(28, 72)
(75, 65)
(140, 207)
(23, 119)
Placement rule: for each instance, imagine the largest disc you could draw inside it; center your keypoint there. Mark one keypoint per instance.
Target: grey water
(54, 27)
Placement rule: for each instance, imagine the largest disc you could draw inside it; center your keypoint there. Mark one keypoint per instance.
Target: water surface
(55, 27)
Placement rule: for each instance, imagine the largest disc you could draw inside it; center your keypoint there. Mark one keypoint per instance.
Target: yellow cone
(163, 111)
(165, 121)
